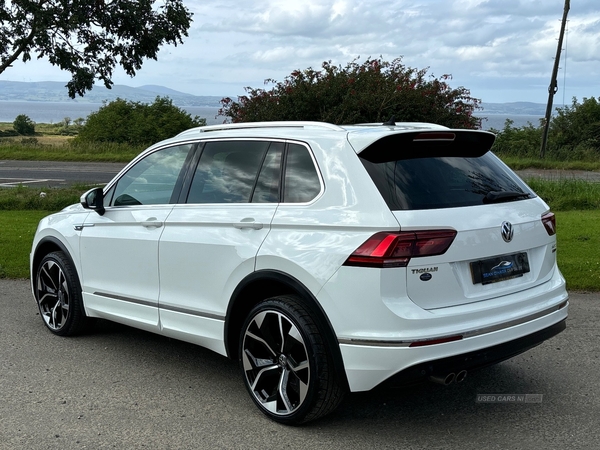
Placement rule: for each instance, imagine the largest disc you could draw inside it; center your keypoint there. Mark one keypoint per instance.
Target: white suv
(324, 258)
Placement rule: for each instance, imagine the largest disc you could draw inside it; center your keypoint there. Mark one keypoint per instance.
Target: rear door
(211, 238)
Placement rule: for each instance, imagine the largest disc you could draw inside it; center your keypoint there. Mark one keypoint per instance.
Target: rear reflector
(549, 221)
(386, 249)
(436, 341)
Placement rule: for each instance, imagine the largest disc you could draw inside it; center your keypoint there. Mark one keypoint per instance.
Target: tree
(577, 126)
(89, 38)
(137, 123)
(24, 125)
(373, 91)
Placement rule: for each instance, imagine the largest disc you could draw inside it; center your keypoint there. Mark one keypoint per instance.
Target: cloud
(498, 49)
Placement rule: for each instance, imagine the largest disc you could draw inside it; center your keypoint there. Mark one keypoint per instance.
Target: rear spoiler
(429, 144)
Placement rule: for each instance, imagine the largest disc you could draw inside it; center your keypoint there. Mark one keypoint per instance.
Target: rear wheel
(58, 295)
(286, 367)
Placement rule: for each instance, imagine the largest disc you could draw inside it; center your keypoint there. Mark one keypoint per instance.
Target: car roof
(360, 136)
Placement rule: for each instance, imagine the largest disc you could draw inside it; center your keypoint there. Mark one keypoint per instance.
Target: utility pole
(553, 88)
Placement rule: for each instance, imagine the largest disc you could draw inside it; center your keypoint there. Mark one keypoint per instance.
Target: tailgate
(480, 264)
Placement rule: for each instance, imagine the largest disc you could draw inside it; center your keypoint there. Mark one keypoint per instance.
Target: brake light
(549, 221)
(434, 136)
(388, 249)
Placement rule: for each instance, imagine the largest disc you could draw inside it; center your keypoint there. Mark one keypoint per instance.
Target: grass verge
(519, 163)
(567, 194)
(578, 235)
(59, 148)
(42, 199)
(18, 228)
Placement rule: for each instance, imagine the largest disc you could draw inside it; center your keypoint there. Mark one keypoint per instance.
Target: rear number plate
(499, 268)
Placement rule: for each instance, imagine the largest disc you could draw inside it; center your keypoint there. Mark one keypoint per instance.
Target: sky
(501, 50)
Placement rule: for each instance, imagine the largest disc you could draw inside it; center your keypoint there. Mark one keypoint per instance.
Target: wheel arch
(264, 284)
(47, 245)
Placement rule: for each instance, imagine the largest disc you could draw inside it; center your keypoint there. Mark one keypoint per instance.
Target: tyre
(58, 295)
(288, 372)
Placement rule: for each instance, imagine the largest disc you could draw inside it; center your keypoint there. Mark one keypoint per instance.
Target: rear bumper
(476, 359)
(367, 366)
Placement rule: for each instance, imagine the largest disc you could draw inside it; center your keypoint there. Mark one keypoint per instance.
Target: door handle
(248, 222)
(152, 222)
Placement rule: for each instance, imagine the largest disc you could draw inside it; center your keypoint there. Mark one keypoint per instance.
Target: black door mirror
(94, 199)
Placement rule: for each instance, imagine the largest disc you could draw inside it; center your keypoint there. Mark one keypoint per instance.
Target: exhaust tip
(443, 379)
(460, 376)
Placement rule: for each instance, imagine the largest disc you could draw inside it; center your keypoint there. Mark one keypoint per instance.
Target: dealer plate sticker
(499, 268)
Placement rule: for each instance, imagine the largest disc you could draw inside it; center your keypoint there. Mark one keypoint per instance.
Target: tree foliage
(372, 91)
(137, 123)
(24, 125)
(577, 127)
(521, 141)
(574, 134)
(89, 38)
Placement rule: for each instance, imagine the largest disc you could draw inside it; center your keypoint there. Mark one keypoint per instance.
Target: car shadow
(412, 409)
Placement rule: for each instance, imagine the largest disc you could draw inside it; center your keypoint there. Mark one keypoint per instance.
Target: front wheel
(58, 295)
(287, 370)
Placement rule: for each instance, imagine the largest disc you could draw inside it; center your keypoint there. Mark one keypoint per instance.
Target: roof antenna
(391, 122)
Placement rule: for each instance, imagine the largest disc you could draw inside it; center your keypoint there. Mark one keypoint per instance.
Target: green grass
(519, 163)
(18, 228)
(578, 235)
(59, 148)
(567, 194)
(52, 199)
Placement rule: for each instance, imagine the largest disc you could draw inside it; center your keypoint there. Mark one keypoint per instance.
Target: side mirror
(94, 199)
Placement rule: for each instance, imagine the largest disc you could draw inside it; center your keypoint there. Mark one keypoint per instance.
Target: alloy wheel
(275, 362)
(53, 294)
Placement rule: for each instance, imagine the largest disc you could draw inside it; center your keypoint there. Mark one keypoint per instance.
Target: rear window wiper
(504, 196)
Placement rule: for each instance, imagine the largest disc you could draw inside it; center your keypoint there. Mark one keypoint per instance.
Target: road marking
(19, 181)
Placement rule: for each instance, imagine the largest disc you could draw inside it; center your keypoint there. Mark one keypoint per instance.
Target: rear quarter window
(301, 183)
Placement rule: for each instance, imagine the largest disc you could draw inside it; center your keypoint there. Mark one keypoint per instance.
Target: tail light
(549, 221)
(387, 249)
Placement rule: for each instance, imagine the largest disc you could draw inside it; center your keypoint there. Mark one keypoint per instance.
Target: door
(119, 249)
(209, 244)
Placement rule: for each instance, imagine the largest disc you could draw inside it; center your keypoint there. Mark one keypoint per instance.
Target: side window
(267, 186)
(228, 173)
(301, 178)
(151, 181)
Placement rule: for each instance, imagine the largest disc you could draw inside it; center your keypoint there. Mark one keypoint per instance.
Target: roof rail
(250, 125)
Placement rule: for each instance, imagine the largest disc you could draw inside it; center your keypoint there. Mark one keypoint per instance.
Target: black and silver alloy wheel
(286, 368)
(275, 362)
(58, 295)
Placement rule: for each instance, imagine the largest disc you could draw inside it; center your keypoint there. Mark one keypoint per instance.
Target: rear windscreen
(444, 182)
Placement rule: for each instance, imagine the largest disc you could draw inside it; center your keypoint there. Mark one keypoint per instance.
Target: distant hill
(55, 91)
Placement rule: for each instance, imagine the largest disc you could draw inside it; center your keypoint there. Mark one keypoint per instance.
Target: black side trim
(474, 360)
(127, 299)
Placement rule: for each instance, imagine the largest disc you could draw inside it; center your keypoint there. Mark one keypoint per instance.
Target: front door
(119, 250)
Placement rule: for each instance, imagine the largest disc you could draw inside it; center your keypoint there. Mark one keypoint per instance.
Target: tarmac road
(54, 173)
(119, 388)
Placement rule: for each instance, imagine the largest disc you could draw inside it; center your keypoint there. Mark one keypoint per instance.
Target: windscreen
(443, 182)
